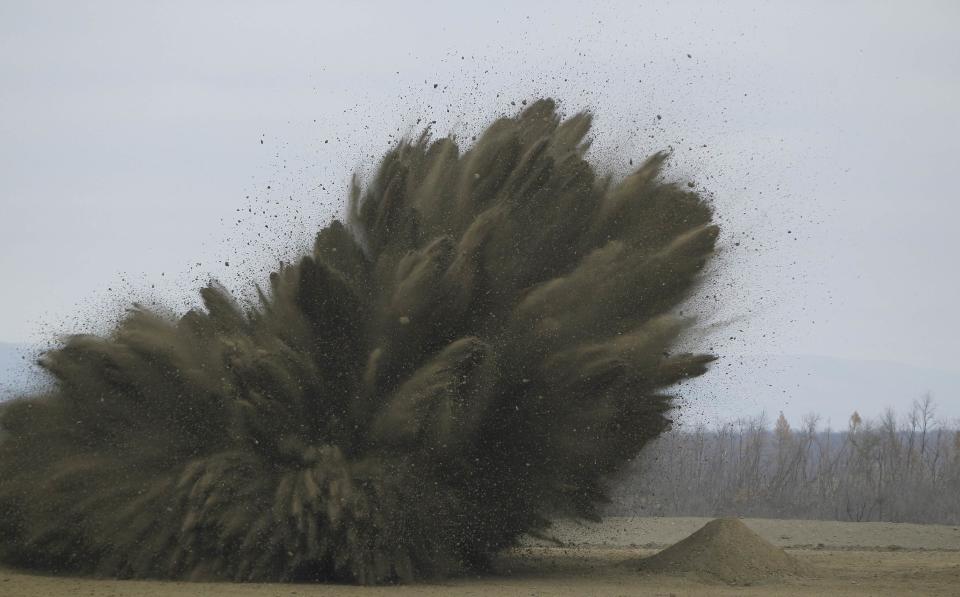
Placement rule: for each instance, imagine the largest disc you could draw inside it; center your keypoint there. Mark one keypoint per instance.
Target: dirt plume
(486, 338)
(725, 550)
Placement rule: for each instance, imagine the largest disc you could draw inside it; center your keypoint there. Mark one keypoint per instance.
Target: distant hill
(737, 386)
(829, 386)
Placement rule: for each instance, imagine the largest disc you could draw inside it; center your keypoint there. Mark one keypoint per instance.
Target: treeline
(893, 469)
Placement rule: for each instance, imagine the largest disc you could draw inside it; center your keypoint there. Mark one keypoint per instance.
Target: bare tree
(891, 469)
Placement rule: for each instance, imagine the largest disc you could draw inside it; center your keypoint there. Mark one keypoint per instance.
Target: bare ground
(846, 559)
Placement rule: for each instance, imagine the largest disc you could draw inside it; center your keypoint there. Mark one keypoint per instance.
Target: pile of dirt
(725, 550)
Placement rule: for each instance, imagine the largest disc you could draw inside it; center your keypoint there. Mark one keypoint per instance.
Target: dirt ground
(847, 559)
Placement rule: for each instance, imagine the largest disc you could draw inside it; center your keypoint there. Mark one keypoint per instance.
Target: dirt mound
(725, 550)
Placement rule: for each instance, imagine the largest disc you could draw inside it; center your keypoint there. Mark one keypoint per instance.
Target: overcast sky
(146, 144)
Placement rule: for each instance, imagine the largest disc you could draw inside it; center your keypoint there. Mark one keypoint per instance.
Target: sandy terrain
(855, 559)
(660, 532)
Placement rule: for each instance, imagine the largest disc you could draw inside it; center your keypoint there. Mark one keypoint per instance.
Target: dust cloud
(486, 337)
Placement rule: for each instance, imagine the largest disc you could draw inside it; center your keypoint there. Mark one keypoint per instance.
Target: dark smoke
(473, 352)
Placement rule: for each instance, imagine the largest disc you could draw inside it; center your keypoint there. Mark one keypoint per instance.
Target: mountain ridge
(737, 385)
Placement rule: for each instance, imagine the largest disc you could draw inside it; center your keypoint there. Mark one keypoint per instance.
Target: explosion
(484, 340)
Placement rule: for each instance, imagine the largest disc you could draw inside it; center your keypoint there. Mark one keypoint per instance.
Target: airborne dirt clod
(487, 337)
(725, 550)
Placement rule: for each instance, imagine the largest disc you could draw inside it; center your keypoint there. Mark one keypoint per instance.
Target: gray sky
(827, 132)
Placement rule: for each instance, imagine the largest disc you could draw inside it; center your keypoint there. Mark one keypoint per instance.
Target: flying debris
(482, 341)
